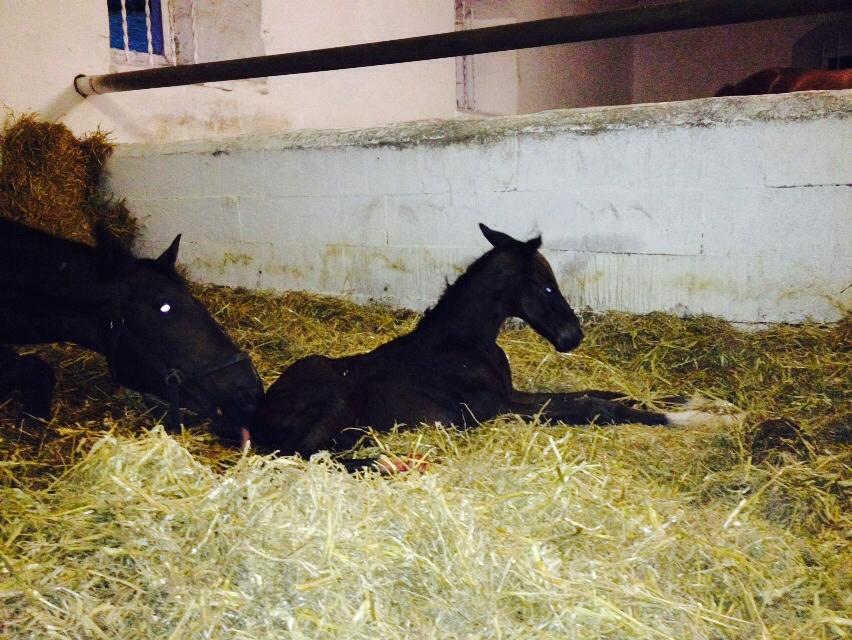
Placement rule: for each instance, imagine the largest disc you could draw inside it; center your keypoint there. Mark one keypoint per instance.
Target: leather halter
(174, 377)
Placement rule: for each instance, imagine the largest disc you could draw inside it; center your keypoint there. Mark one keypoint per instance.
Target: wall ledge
(705, 112)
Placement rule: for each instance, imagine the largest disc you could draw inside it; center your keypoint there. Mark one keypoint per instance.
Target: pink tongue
(245, 438)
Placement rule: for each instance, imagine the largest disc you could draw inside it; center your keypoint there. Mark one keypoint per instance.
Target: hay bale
(50, 180)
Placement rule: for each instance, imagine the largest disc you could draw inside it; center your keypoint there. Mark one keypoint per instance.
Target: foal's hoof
(393, 465)
(697, 418)
(700, 403)
(698, 410)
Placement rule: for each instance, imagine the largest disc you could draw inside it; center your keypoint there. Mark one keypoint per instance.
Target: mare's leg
(30, 375)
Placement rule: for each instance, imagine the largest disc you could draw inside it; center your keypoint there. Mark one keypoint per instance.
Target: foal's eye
(165, 308)
(548, 290)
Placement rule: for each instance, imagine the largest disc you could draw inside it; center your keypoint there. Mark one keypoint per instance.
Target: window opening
(136, 31)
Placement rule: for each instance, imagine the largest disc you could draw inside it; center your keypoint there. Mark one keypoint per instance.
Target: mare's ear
(498, 239)
(534, 244)
(113, 257)
(168, 258)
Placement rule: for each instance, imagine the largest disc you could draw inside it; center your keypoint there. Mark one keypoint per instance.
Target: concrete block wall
(737, 207)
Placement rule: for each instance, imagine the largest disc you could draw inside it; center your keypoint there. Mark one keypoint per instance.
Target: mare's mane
(66, 250)
(164, 270)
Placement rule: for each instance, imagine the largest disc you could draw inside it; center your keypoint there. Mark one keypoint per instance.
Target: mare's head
(529, 289)
(159, 339)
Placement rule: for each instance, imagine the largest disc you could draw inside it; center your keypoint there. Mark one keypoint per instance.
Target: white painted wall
(45, 43)
(739, 207)
(582, 74)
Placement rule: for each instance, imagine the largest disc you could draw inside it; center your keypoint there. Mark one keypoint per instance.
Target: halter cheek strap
(173, 377)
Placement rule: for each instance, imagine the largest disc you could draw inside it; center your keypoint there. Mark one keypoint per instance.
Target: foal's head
(529, 289)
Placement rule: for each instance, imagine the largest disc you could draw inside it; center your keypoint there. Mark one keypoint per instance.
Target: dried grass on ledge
(112, 528)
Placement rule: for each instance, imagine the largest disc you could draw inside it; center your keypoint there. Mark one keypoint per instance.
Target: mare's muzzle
(244, 401)
(193, 384)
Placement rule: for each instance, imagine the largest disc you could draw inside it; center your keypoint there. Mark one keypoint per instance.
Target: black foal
(449, 369)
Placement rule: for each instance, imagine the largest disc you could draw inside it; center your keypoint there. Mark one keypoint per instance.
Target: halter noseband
(173, 377)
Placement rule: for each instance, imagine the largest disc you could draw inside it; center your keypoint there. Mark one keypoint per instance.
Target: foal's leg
(30, 375)
(585, 407)
(306, 410)
(542, 397)
(614, 396)
(582, 408)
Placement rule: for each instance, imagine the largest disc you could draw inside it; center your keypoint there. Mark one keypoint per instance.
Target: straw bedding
(112, 528)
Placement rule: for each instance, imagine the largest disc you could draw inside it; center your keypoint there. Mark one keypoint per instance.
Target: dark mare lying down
(788, 79)
(449, 369)
(156, 336)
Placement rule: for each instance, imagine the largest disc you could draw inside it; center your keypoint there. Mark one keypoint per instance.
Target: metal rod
(689, 14)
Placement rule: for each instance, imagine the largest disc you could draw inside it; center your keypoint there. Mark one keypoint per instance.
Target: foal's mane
(457, 291)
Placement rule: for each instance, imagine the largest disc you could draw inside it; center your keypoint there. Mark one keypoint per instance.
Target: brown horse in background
(788, 79)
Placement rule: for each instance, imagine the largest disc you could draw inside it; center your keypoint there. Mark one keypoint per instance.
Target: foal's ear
(113, 257)
(498, 239)
(534, 244)
(168, 258)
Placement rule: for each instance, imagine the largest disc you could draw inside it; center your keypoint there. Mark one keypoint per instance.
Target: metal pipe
(689, 14)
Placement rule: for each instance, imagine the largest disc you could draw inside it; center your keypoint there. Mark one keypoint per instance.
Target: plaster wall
(738, 207)
(44, 44)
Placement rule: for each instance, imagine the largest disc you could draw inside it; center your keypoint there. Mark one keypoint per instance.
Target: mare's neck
(35, 317)
(50, 289)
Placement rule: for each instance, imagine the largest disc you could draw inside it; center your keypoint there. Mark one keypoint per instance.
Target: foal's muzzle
(568, 340)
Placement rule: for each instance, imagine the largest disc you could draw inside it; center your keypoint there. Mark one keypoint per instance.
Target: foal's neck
(471, 310)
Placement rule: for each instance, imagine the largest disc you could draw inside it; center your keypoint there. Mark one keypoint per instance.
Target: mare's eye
(548, 290)
(165, 308)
